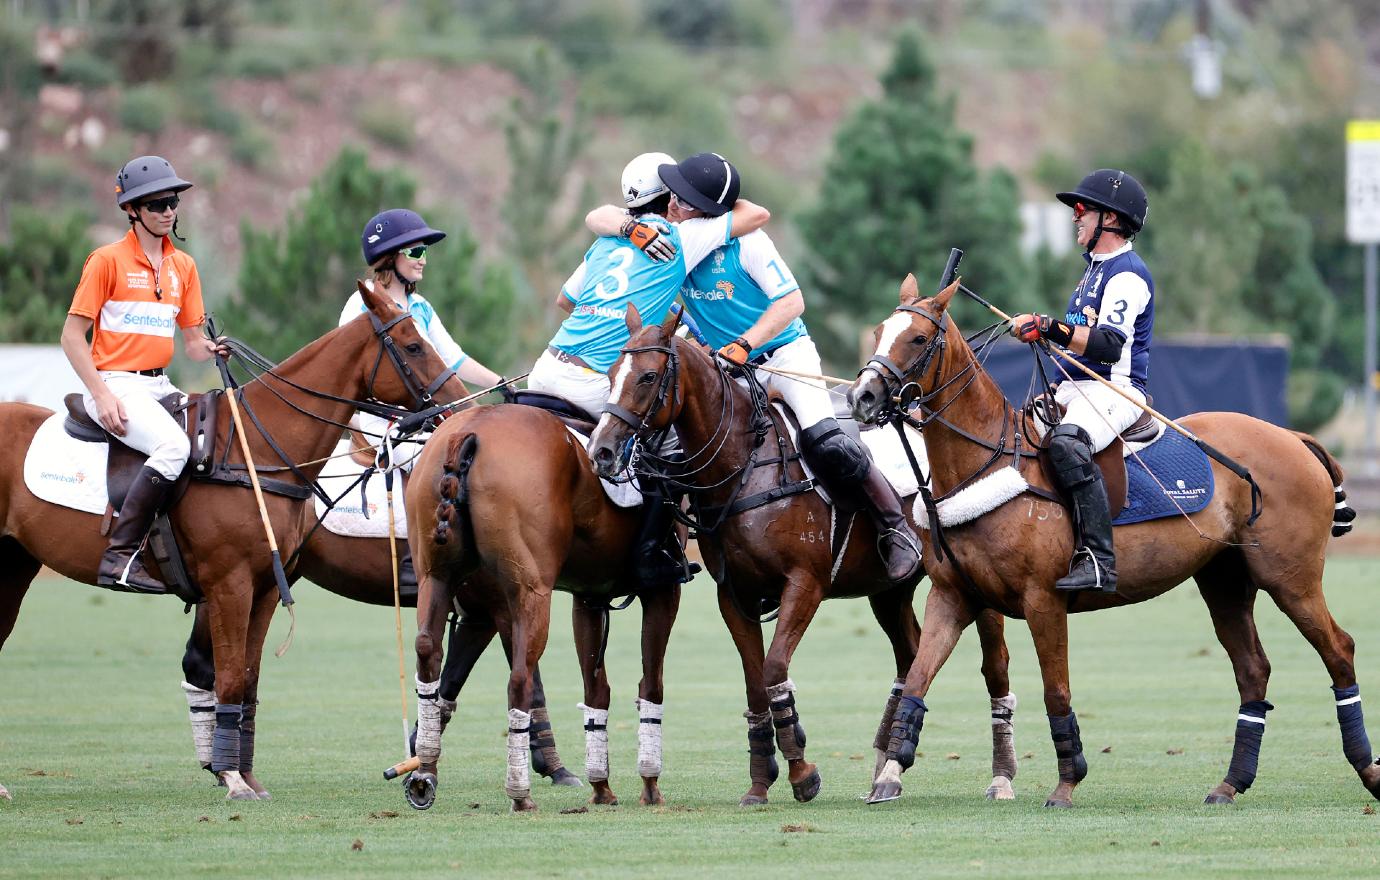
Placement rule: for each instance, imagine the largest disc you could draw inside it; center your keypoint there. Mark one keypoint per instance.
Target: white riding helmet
(641, 182)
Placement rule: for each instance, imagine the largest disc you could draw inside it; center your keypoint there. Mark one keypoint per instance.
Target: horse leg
(17, 571)
(799, 602)
(230, 608)
(433, 604)
(996, 660)
(464, 641)
(265, 603)
(747, 638)
(199, 685)
(1303, 602)
(1227, 591)
(531, 625)
(1048, 618)
(947, 615)
(546, 760)
(659, 609)
(588, 623)
(895, 614)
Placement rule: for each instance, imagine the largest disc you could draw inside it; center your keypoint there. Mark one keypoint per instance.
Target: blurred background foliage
(879, 132)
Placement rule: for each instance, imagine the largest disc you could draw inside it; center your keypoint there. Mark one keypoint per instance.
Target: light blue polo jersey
(729, 291)
(615, 274)
(426, 319)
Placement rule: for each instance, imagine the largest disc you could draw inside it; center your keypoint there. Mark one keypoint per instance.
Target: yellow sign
(1363, 130)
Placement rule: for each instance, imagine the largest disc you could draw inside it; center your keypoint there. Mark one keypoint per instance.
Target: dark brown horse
(766, 536)
(302, 403)
(362, 569)
(1009, 558)
(504, 508)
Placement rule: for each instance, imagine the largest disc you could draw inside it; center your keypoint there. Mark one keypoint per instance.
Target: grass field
(95, 748)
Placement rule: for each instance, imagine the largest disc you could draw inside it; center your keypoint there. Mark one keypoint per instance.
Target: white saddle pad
(353, 516)
(627, 494)
(61, 469)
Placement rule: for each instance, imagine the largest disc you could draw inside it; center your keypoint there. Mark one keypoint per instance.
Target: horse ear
(672, 322)
(943, 297)
(374, 302)
(910, 289)
(633, 320)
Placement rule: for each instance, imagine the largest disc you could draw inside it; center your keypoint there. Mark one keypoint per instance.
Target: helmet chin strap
(135, 218)
(409, 287)
(1101, 228)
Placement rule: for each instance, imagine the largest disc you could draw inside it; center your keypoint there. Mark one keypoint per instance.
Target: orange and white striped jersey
(137, 311)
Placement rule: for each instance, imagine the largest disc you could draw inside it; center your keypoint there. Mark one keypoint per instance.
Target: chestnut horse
(361, 569)
(765, 535)
(301, 404)
(1009, 558)
(503, 508)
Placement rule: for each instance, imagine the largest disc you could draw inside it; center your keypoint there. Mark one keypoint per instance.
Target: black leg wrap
(1355, 743)
(883, 737)
(225, 743)
(251, 710)
(762, 766)
(905, 731)
(790, 734)
(1245, 755)
(1068, 747)
(545, 759)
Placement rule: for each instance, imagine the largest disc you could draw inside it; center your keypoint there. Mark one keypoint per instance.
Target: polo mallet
(232, 389)
(386, 452)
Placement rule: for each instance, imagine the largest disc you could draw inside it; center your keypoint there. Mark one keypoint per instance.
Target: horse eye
(647, 378)
(413, 348)
(918, 340)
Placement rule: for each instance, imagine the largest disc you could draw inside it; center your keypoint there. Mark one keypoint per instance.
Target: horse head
(910, 350)
(418, 375)
(645, 397)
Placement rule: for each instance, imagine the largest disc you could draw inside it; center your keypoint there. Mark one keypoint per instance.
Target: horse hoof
(752, 800)
(420, 790)
(1000, 789)
(1370, 778)
(652, 799)
(1059, 805)
(5, 794)
(604, 800)
(883, 792)
(565, 777)
(524, 805)
(806, 789)
(1219, 799)
(247, 794)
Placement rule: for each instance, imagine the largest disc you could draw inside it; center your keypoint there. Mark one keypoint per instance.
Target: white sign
(1363, 181)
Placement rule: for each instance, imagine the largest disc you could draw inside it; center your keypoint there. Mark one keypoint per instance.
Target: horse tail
(451, 512)
(1342, 513)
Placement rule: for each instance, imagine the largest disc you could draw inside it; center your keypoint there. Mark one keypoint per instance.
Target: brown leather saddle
(1111, 460)
(567, 411)
(198, 416)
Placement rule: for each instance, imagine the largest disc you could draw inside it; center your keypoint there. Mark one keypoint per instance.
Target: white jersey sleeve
(763, 263)
(702, 236)
(354, 307)
(575, 283)
(435, 331)
(1124, 297)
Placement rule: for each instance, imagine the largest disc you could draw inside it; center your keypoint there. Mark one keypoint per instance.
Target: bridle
(422, 395)
(668, 387)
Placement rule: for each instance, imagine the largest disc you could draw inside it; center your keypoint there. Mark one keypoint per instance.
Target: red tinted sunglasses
(1079, 209)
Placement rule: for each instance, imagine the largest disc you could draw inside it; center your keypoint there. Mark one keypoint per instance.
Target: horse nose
(602, 457)
(863, 403)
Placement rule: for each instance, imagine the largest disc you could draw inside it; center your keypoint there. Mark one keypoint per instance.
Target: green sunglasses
(416, 252)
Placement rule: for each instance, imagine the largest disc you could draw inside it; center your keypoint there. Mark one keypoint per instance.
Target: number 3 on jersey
(615, 281)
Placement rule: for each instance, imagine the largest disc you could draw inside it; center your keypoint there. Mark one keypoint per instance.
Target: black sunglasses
(158, 206)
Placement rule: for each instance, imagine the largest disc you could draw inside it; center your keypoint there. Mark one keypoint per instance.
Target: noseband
(894, 377)
(667, 386)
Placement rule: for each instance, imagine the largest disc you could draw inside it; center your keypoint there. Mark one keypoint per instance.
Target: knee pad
(1070, 451)
(833, 452)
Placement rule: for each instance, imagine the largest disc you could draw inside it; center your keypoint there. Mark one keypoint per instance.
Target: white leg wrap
(1003, 748)
(777, 691)
(649, 716)
(428, 722)
(201, 711)
(596, 743)
(519, 781)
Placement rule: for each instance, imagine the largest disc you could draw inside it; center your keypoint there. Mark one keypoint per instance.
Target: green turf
(94, 746)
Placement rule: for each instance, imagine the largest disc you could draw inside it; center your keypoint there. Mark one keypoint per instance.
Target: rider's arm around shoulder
(747, 217)
(606, 220)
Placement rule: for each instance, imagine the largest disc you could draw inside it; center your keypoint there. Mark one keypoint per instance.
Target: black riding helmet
(1115, 191)
(705, 181)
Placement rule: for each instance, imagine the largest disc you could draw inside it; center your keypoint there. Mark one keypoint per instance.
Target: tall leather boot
(120, 567)
(1094, 564)
(847, 472)
(658, 557)
(899, 546)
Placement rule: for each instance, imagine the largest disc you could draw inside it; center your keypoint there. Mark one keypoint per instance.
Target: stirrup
(1101, 582)
(909, 543)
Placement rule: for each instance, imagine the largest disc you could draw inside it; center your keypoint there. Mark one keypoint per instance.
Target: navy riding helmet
(1112, 190)
(393, 230)
(706, 181)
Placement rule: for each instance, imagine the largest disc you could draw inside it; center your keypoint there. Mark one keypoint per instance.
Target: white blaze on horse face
(892, 328)
(616, 392)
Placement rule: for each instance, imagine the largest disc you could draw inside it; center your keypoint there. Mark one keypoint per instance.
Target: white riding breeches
(148, 427)
(1098, 409)
(584, 388)
(808, 398)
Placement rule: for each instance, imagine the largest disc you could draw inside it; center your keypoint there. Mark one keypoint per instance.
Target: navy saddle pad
(1181, 481)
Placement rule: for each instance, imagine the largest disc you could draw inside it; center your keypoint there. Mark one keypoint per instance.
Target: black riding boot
(407, 575)
(658, 557)
(848, 474)
(120, 567)
(1094, 563)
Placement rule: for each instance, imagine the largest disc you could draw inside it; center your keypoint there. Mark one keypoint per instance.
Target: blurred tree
(295, 280)
(717, 23)
(900, 189)
(40, 264)
(20, 78)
